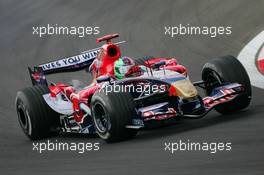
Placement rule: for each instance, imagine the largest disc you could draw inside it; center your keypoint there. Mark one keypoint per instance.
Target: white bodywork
(59, 104)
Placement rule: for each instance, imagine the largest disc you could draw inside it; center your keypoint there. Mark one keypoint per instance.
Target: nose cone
(184, 88)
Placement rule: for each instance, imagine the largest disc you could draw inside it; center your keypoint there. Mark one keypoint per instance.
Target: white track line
(247, 57)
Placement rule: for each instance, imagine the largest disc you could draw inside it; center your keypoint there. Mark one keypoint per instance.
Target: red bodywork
(171, 64)
(104, 65)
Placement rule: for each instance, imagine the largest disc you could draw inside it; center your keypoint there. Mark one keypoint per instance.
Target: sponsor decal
(226, 94)
(74, 60)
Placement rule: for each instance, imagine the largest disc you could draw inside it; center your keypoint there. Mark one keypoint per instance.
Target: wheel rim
(24, 119)
(101, 118)
(212, 81)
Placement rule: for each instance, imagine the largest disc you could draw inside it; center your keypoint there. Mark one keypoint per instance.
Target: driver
(122, 67)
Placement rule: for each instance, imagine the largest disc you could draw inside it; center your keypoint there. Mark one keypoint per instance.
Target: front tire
(35, 117)
(227, 69)
(111, 112)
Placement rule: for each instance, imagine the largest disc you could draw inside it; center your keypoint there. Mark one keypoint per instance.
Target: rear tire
(111, 112)
(35, 117)
(227, 69)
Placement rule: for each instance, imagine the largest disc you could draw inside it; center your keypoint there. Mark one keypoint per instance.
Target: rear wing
(69, 64)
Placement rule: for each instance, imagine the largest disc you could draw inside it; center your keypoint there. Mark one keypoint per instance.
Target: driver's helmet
(122, 66)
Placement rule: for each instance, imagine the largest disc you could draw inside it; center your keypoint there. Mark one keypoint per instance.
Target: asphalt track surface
(141, 24)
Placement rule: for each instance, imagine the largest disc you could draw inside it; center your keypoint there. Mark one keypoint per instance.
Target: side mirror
(103, 79)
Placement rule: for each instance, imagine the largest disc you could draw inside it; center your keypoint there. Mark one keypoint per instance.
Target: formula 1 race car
(126, 94)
